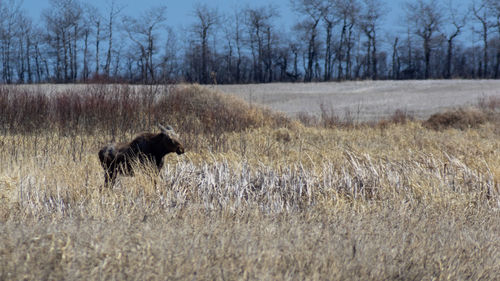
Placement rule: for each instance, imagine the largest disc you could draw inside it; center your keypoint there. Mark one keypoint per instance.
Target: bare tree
(456, 22)
(229, 49)
(482, 15)
(314, 10)
(348, 12)
(62, 23)
(37, 69)
(10, 16)
(24, 46)
(169, 62)
(234, 35)
(396, 62)
(259, 25)
(114, 11)
(494, 7)
(371, 15)
(330, 19)
(206, 21)
(93, 24)
(333, 39)
(269, 58)
(143, 32)
(425, 16)
(295, 49)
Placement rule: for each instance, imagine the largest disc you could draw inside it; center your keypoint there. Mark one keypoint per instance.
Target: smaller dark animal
(119, 158)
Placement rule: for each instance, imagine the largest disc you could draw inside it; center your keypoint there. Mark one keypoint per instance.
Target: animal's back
(141, 143)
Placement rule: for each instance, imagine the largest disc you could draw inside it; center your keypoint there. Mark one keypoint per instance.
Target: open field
(256, 196)
(368, 100)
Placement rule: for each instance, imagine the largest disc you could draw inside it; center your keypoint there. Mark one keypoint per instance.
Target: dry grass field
(257, 195)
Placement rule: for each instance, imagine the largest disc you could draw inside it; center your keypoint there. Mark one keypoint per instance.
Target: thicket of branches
(330, 40)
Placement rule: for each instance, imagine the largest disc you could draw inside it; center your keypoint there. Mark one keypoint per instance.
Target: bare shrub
(329, 118)
(459, 119)
(122, 109)
(398, 117)
(490, 103)
(307, 119)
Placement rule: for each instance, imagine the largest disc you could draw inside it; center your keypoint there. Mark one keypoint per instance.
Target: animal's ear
(167, 129)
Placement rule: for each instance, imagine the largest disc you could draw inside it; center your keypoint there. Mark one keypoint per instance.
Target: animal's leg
(156, 176)
(109, 178)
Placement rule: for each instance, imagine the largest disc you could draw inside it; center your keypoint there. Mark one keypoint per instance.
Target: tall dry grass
(271, 200)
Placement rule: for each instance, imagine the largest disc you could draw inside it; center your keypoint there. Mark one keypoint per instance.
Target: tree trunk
(395, 66)
(65, 55)
(20, 59)
(427, 57)
(58, 59)
(368, 55)
(374, 56)
(449, 55)
(497, 66)
(71, 57)
(295, 65)
(37, 64)
(238, 63)
(97, 41)
(259, 57)
(328, 52)
(348, 52)
(28, 60)
(85, 74)
(311, 52)
(204, 55)
(150, 55)
(110, 43)
(75, 53)
(485, 52)
(339, 53)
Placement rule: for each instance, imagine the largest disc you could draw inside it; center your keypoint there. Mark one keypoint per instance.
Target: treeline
(330, 40)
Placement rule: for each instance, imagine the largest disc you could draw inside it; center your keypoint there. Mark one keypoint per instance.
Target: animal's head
(170, 141)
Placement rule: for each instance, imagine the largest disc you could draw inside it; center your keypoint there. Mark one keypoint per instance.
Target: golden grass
(393, 202)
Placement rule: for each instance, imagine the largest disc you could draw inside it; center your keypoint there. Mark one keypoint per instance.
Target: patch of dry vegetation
(271, 199)
(487, 110)
(459, 119)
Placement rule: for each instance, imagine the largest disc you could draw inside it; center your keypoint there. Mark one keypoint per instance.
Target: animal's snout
(180, 150)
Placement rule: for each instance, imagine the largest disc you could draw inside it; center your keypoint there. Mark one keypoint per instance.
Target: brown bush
(401, 117)
(199, 110)
(120, 109)
(459, 119)
(398, 117)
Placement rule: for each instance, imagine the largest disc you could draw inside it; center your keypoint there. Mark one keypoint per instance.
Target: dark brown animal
(119, 158)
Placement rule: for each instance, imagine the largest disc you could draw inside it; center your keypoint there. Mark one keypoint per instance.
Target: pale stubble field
(256, 196)
(368, 100)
